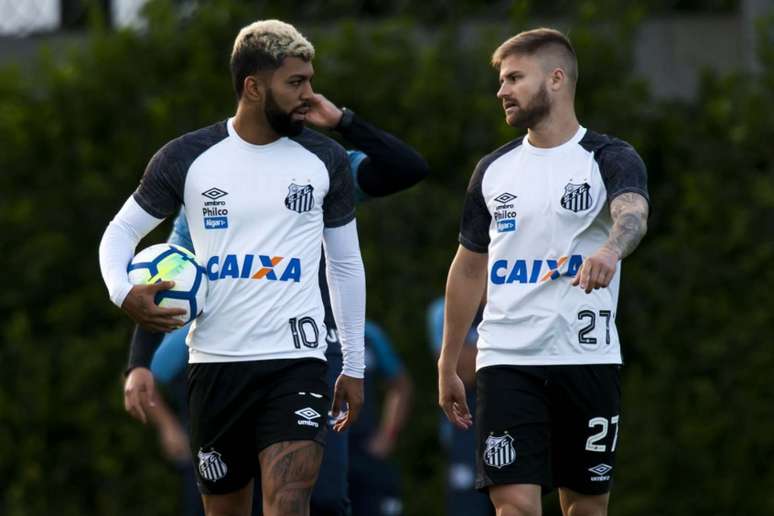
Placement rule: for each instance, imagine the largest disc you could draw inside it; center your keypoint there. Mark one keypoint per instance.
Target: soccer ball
(162, 262)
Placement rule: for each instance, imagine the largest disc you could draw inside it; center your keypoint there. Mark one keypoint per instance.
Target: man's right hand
(139, 393)
(141, 306)
(451, 398)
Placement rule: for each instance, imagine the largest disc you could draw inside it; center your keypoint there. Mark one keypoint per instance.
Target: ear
(556, 79)
(253, 89)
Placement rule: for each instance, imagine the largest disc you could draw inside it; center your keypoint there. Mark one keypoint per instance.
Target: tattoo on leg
(288, 473)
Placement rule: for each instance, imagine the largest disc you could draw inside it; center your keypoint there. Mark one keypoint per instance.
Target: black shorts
(239, 408)
(555, 426)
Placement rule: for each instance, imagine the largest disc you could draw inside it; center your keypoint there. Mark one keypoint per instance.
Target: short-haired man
(544, 215)
(256, 380)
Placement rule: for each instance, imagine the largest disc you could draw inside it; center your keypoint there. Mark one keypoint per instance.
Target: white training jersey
(256, 215)
(539, 213)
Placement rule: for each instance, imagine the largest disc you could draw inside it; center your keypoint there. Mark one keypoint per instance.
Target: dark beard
(534, 112)
(282, 123)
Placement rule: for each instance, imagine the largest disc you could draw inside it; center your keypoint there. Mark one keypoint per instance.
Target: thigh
(586, 403)
(288, 473)
(295, 405)
(512, 427)
(221, 405)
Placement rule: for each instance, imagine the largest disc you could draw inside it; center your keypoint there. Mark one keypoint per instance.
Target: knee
(588, 507)
(518, 507)
(516, 500)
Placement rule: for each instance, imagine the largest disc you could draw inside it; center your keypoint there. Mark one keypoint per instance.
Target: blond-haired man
(547, 218)
(261, 193)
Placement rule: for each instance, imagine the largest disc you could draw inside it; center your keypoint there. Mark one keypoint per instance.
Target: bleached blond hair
(263, 45)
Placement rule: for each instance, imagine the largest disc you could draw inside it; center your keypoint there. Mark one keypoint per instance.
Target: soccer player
(261, 194)
(381, 165)
(546, 220)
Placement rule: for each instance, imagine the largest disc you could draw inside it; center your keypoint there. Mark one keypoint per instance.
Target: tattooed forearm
(630, 222)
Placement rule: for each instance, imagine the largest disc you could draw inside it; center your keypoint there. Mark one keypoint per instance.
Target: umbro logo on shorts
(211, 466)
(601, 471)
(308, 414)
(499, 451)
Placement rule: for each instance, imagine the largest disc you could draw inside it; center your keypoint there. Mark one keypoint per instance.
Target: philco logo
(266, 267)
(534, 271)
(504, 215)
(214, 211)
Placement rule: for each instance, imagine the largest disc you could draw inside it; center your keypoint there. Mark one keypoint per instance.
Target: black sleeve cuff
(142, 348)
(472, 246)
(346, 119)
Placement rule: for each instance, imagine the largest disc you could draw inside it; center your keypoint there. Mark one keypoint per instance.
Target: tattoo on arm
(630, 223)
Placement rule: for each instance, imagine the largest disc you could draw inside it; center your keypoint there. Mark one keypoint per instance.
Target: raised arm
(390, 165)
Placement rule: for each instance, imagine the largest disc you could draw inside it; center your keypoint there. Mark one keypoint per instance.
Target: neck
(251, 125)
(557, 128)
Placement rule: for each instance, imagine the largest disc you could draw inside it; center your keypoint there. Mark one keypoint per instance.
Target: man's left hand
(348, 392)
(597, 270)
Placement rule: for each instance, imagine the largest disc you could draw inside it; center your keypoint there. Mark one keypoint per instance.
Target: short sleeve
(339, 203)
(160, 192)
(476, 218)
(623, 170)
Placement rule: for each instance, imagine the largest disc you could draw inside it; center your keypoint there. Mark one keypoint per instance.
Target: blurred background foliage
(695, 311)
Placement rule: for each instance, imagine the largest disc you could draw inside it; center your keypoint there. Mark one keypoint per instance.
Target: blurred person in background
(257, 379)
(382, 165)
(543, 215)
(374, 481)
(462, 499)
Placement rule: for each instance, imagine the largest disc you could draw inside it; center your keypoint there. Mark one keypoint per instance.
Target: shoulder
(327, 149)
(188, 147)
(498, 153)
(607, 148)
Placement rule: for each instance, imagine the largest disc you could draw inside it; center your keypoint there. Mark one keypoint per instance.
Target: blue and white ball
(163, 262)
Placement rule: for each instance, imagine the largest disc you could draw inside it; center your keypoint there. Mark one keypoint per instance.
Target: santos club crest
(300, 198)
(499, 451)
(576, 197)
(211, 466)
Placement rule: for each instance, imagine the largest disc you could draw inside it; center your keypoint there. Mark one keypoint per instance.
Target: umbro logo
(308, 414)
(505, 198)
(601, 471)
(214, 193)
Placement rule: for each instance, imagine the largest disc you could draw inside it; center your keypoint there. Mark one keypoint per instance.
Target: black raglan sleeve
(391, 164)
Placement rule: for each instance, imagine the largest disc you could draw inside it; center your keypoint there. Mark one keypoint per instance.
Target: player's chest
(270, 191)
(531, 191)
